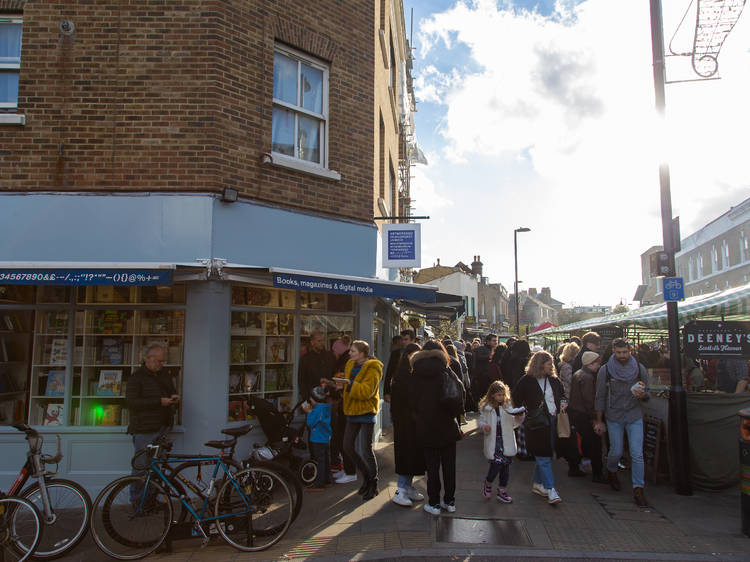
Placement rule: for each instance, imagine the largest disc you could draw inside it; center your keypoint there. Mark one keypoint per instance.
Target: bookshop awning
(350, 285)
(86, 273)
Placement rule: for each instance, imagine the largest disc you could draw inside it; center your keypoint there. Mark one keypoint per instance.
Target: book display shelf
(15, 354)
(98, 345)
(261, 361)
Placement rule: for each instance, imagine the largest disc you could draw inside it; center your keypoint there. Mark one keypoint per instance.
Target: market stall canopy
(446, 307)
(729, 304)
(542, 326)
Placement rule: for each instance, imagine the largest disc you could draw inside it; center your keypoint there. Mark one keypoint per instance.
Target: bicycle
(20, 528)
(132, 515)
(64, 505)
(188, 476)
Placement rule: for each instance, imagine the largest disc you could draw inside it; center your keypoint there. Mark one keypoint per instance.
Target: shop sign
(715, 340)
(402, 245)
(82, 277)
(352, 287)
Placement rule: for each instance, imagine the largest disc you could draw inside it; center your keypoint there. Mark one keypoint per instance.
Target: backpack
(452, 393)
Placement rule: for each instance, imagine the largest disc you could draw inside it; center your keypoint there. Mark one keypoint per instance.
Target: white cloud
(572, 95)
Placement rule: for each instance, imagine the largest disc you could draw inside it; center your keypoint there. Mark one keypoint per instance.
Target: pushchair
(285, 441)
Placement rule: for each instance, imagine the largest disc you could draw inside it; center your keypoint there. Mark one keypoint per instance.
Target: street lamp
(515, 257)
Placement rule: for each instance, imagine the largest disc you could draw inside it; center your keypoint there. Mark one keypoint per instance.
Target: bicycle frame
(199, 518)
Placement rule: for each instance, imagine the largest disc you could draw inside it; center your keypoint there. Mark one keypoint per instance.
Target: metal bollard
(745, 469)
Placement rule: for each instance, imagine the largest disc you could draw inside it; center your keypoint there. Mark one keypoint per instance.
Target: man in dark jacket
(318, 363)
(151, 398)
(591, 341)
(480, 379)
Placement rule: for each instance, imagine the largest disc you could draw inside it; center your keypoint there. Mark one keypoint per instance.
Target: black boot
(372, 489)
(363, 487)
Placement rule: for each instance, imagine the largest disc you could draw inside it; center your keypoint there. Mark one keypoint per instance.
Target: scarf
(620, 372)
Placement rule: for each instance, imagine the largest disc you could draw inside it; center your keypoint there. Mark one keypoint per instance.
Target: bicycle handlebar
(46, 459)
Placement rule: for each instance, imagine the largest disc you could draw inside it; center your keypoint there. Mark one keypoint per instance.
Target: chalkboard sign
(651, 446)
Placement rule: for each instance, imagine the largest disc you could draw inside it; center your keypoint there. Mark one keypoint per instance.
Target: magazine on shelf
(112, 351)
(110, 414)
(276, 350)
(55, 383)
(237, 410)
(110, 382)
(53, 414)
(236, 382)
(59, 352)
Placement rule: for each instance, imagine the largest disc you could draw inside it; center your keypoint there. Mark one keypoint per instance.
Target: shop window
(110, 294)
(266, 297)
(15, 353)
(10, 60)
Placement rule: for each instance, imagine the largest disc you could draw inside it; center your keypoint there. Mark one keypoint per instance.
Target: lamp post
(515, 258)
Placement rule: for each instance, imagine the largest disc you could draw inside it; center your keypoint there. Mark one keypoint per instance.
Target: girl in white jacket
(497, 421)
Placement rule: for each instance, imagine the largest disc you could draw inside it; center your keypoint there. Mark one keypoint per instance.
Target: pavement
(592, 522)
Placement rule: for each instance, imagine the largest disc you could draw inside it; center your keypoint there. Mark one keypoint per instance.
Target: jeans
(543, 469)
(321, 454)
(366, 463)
(635, 441)
(140, 440)
(404, 481)
(501, 470)
(435, 459)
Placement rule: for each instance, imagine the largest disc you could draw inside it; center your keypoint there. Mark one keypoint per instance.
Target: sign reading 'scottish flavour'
(402, 245)
(714, 340)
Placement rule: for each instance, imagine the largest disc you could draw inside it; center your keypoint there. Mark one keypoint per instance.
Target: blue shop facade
(231, 290)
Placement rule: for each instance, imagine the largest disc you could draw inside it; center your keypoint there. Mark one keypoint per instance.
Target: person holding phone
(360, 385)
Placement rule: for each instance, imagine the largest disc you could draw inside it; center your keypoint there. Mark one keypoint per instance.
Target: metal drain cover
(482, 531)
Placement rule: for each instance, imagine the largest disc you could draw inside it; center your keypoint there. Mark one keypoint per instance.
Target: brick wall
(175, 95)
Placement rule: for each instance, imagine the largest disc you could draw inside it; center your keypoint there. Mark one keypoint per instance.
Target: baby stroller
(285, 443)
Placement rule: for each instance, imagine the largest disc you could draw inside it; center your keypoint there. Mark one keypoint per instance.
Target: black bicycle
(20, 528)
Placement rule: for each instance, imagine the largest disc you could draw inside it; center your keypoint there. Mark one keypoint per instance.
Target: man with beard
(621, 386)
(318, 363)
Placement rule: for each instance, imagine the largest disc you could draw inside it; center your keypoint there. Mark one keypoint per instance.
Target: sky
(541, 114)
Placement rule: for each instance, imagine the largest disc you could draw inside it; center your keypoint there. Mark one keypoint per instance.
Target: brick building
(197, 174)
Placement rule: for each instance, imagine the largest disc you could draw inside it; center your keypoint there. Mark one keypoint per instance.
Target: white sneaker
(346, 478)
(414, 494)
(553, 496)
(449, 507)
(539, 489)
(432, 510)
(340, 474)
(401, 498)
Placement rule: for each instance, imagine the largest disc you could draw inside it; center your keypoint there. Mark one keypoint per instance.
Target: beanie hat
(318, 394)
(589, 357)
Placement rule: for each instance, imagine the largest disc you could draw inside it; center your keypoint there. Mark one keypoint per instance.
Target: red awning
(543, 326)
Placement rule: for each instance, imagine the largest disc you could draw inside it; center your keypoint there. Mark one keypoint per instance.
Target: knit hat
(589, 357)
(318, 394)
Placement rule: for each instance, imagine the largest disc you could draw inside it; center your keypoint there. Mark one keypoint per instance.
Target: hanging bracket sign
(402, 245)
(715, 340)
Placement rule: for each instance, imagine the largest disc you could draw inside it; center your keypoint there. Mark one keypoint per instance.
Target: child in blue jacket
(319, 423)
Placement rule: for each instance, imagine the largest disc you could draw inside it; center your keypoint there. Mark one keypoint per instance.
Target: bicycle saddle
(237, 431)
(226, 444)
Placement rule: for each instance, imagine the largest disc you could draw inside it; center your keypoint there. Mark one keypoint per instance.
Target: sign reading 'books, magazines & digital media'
(352, 287)
(402, 245)
(83, 277)
(704, 339)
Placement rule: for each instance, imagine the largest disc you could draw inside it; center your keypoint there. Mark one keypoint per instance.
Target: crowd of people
(531, 405)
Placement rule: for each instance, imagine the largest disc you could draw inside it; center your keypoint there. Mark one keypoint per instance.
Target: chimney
(476, 267)
(532, 291)
(438, 262)
(546, 297)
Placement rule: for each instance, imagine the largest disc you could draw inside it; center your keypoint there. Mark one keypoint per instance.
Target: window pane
(10, 43)
(284, 78)
(312, 88)
(282, 139)
(9, 87)
(309, 139)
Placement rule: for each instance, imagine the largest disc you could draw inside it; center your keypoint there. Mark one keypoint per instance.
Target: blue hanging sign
(351, 287)
(674, 289)
(83, 277)
(402, 245)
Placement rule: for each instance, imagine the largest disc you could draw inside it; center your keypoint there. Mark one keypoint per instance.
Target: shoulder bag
(537, 418)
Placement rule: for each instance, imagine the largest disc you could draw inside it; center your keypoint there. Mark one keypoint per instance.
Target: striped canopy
(730, 304)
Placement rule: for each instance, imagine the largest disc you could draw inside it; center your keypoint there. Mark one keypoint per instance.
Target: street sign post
(674, 289)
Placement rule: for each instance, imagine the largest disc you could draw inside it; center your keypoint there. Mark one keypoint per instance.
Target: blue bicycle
(132, 516)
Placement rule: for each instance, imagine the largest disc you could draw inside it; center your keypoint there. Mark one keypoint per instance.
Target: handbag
(563, 425)
(452, 393)
(538, 417)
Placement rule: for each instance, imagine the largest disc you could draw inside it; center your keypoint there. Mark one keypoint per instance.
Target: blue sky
(541, 114)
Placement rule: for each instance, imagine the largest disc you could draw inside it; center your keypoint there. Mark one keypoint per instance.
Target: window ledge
(12, 119)
(283, 161)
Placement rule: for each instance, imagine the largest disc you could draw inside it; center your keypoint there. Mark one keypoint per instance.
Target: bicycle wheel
(20, 529)
(129, 529)
(185, 477)
(256, 509)
(292, 480)
(71, 509)
(308, 471)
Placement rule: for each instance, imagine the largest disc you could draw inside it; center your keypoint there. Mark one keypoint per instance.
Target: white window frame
(8, 65)
(295, 162)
